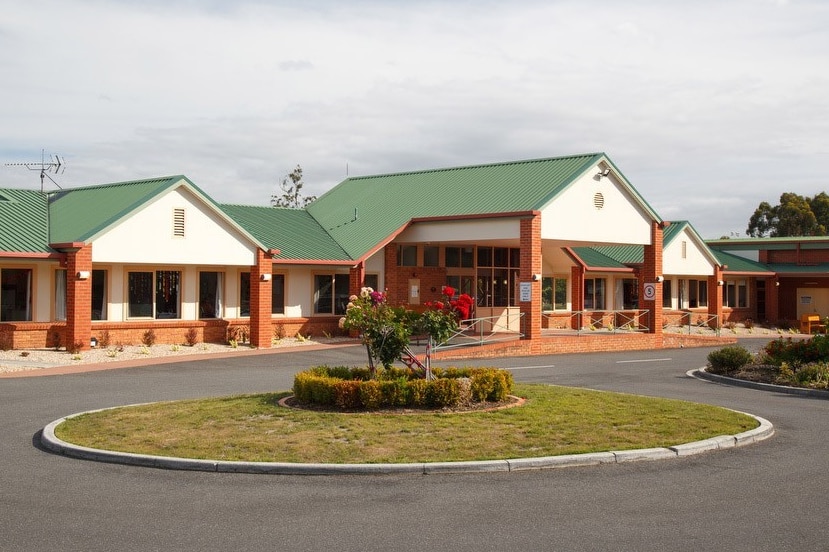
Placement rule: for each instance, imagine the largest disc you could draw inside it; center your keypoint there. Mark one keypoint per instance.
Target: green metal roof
(293, 231)
(79, 214)
(735, 263)
(596, 258)
(792, 242)
(23, 221)
(793, 269)
(362, 211)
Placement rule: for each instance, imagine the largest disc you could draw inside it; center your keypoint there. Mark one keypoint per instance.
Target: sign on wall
(525, 291)
(649, 291)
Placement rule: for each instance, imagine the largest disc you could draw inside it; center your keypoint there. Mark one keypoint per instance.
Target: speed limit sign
(650, 292)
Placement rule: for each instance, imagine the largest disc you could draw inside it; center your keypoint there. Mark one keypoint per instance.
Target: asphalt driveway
(768, 496)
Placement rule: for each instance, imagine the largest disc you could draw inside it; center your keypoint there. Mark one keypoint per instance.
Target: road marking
(531, 367)
(643, 360)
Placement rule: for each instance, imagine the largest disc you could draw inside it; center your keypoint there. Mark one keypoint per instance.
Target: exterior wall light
(83, 275)
(265, 277)
(660, 279)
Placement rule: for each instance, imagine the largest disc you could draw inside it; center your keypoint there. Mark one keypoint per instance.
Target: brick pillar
(530, 266)
(261, 288)
(772, 300)
(78, 297)
(715, 293)
(577, 295)
(651, 268)
(392, 277)
(356, 278)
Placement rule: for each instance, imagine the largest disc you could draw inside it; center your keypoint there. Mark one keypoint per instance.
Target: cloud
(690, 100)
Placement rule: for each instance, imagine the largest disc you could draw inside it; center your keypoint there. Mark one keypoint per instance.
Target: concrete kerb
(703, 374)
(52, 443)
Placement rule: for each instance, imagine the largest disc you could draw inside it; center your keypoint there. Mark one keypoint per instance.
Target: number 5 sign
(649, 291)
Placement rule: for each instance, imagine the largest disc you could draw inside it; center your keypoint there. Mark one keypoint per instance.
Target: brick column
(772, 300)
(531, 265)
(577, 295)
(356, 278)
(651, 268)
(392, 277)
(78, 298)
(715, 293)
(261, 332)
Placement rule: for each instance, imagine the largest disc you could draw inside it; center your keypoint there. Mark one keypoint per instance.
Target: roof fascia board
(507, 214)
(30, 255)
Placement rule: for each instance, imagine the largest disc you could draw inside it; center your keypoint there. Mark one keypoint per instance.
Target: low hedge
(353, 389)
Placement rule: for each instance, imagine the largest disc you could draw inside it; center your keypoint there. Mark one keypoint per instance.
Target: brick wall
(79, 297)
(585, 343)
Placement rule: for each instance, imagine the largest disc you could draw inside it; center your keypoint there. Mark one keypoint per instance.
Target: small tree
(291, 197)
(385, 330)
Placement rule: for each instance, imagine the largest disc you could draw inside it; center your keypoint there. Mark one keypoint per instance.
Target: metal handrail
(631, 320)
(472, 331)
(703, 322)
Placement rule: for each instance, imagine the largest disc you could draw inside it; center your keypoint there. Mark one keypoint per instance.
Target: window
(460, 257)
(167, 291)
(99, 295)
(630, 293)
(140, 294)
(431, 255)
(244, 294)
(594, 293)
(372, 281)
(210, 294)
(407, 255)
(496, 285)
(278, 294)
(330, 293)
(667, 301)
(60, 294)
(154, 294)
(15, 294)
(697, 293)
(735, 294)
(553, 293)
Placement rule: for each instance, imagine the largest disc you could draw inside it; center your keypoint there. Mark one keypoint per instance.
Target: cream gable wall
(695, 263)
(146, 236)
(573, 215)
(462, 230)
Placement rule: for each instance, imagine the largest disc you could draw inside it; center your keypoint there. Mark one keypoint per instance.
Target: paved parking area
(769, 496)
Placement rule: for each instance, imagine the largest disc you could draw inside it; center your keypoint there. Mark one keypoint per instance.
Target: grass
(554, 421)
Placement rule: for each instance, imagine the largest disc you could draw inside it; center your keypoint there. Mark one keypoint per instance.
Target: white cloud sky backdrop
(708, 107)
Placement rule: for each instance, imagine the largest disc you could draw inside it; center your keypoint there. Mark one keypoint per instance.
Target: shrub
(75, 348)
(814, 375)
(728, 359)
(418, 393)
(797, 352)
(443, 392)
(351, 388)
(105, 340)
(371, 394)
(148, 338)
(347, 394)
(191, 337)
(6, 343)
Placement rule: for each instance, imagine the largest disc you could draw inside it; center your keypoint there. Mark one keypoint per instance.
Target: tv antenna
(55, 165)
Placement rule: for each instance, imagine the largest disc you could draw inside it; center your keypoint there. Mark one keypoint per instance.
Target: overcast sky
(707, 106)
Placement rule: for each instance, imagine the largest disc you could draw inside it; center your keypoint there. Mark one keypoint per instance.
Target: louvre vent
(178, 223)
(598, 200)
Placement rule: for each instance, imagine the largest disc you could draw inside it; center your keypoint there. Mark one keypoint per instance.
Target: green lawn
(553, 421)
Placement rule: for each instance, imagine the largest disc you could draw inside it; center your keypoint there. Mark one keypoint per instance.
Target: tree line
(795, 215)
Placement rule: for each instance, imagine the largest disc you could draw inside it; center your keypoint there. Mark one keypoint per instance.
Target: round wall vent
(598, 200)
